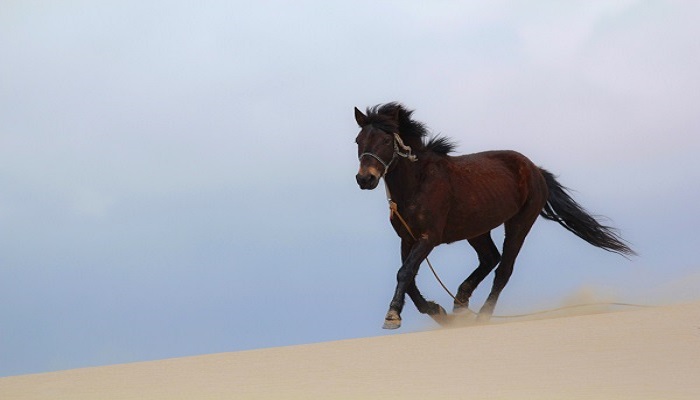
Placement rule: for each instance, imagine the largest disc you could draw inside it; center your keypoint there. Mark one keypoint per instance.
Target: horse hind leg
(489, 257)
(516, 229)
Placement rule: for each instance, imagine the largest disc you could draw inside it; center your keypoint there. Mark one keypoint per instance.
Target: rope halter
(398, 146)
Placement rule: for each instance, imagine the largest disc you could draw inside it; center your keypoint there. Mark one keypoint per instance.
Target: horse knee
(404, 275)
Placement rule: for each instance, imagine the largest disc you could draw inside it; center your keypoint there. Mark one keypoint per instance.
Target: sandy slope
(643, 354)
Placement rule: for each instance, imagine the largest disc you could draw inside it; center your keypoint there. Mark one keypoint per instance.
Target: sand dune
(642, 354)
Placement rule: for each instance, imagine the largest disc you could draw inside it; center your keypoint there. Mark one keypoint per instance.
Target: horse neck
(403, 181)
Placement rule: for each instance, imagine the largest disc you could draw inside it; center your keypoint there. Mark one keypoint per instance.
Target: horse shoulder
(427, 208)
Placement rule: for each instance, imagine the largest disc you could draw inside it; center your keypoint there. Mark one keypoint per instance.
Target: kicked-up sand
(651, 353)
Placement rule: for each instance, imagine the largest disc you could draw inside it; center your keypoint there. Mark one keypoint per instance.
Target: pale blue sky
(178, 179)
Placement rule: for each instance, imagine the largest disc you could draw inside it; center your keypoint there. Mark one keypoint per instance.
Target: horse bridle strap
(398, 146)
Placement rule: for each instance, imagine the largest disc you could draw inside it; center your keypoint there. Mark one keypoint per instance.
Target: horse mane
(394, 117)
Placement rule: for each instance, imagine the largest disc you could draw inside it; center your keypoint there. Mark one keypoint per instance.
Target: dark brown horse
(446, 198)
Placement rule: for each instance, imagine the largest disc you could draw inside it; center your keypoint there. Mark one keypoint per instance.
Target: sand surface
(651, 353)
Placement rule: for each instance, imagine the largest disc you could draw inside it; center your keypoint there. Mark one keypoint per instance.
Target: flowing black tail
(568, 213)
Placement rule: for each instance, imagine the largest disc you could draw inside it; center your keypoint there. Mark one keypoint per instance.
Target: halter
(398, 146)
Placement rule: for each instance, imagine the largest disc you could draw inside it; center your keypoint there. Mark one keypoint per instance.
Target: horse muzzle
(367, 181)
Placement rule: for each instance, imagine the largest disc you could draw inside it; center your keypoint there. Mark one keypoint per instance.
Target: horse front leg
(431, 308)
(405, 282)
(424, 306)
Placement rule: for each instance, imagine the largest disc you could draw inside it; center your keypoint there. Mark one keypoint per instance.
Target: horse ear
(395, 115)
(360, 118)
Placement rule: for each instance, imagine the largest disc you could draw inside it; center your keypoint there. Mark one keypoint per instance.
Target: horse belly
(472, 223)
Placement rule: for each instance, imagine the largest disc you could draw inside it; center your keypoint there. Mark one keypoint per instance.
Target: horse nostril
(365, 181)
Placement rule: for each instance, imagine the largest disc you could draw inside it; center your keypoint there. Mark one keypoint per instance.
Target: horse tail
(561, 208)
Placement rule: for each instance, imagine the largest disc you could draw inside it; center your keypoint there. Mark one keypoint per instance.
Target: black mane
(394, 117)
(440, 145)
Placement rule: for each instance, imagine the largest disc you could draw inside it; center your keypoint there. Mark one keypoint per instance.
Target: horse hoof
(391, 324)
(433, 308)
(443, 319)
(392, 320)
(460, 309)
(483, 318)
(460, 306)
(441, 311)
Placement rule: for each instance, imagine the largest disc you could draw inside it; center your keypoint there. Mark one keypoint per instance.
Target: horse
(441, 198)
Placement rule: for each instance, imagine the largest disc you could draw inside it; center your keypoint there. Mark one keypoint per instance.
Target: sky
(179, 179)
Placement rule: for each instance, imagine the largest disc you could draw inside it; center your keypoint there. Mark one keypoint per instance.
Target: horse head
(376, 150)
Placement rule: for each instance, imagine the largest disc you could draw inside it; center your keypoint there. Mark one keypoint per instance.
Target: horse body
(444, 199)
(463, 197)
(490, 188)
